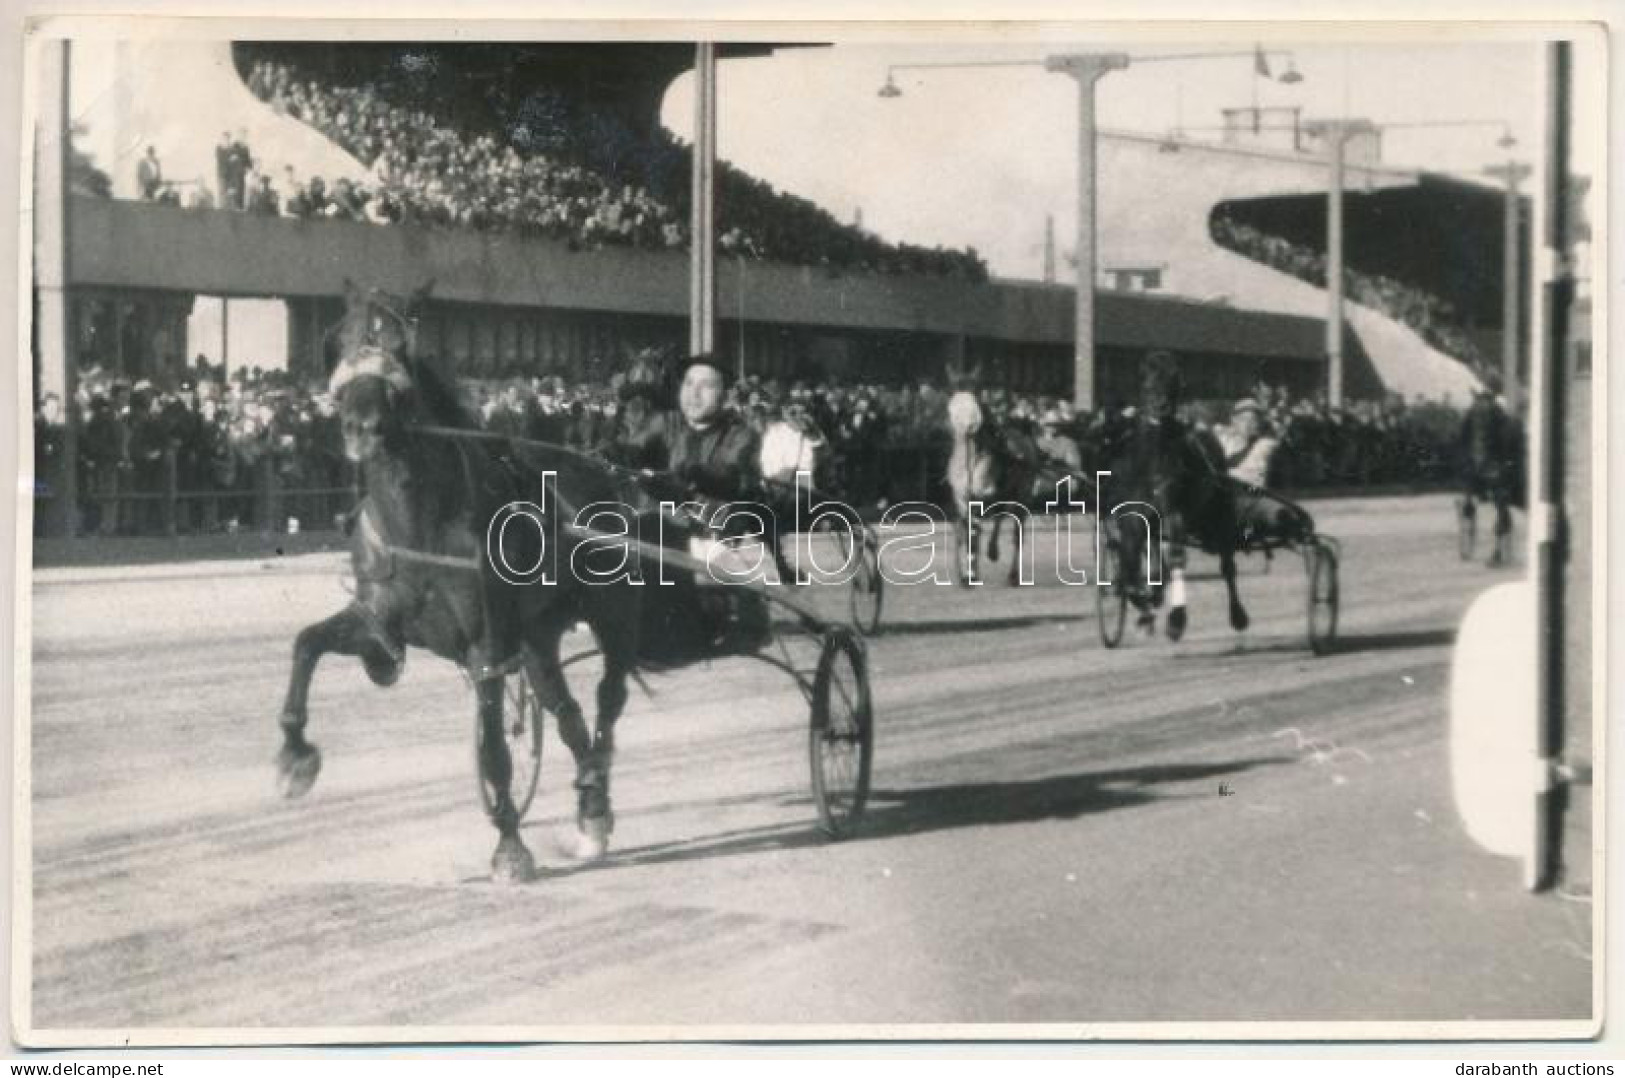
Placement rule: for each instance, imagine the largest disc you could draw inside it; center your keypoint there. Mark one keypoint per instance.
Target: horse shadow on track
(894, 812)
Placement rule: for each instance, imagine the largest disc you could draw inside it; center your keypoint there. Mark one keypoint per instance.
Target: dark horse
(1164, 471)
(1491, 462)
(418, 553)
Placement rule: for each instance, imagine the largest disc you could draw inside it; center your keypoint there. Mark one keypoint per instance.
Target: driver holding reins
(715, 457)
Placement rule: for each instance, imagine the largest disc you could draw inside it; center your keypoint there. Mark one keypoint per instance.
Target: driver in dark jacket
(712, 451)
(714, 456)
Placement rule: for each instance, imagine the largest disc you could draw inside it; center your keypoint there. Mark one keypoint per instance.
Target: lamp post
(1511, 279)
(702, 305)
(1336, 133)
(1087, 69)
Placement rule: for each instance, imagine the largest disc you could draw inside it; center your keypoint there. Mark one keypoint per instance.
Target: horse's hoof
(1176, 623)
(296, 770)
(1239, 620)
(512, 863)
(1147, 625)
(383, 672)
(591, 841)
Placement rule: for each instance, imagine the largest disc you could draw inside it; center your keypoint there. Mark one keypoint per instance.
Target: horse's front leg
(1238, 613)
(1175, 561)
(1503, 530)
(345, 633)
(594, 820)
(1019, 526)
(511, 862)
(966, 554)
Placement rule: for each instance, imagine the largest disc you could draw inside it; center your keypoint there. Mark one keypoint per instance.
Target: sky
(978, 157)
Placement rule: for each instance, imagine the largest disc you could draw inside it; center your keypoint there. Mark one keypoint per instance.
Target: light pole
(1511, 279)
(702, 292)
(1336, 133)
(1087, 69)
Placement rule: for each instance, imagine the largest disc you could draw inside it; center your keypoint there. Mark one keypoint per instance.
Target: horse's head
(371, 384)
(377, 319)
(1163, 388)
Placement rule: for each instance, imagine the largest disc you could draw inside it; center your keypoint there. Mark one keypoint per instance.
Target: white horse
(979, 472)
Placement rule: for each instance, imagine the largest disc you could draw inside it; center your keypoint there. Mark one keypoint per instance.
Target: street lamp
(1087, 69)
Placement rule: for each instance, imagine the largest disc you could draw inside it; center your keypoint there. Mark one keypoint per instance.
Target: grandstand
(544, 159)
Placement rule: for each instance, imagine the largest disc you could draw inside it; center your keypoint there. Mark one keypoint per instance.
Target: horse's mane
(439, 398)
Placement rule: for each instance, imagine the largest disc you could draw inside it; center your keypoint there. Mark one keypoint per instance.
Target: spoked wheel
(1320, 560)
(1111, 599)
(1467, 523)
(841, 738)
(868, 593)
(522, 729)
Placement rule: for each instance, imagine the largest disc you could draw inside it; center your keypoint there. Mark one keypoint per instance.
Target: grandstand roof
(628, 78)
(1442, 234)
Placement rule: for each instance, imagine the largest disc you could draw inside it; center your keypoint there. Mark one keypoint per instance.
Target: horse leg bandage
(1176, 587)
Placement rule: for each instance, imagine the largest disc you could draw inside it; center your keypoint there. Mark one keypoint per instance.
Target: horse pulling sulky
(422, 557)
(1162, 470)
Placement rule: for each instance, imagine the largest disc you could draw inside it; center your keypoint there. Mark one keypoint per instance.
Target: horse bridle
(377, 301)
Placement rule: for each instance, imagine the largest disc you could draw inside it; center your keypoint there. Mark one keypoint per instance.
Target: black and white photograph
(600, 531)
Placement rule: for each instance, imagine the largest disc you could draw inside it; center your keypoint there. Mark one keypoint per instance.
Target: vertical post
(268, 498)
(1049, 248)
(1511, 284)
(225, 334)
(1547, 526)
(171, 492)
(1338, 133)
(52, 275)
(741, 286)
(1087, 70)
(703, 268)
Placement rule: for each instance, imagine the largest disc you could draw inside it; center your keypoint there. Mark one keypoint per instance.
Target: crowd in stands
(222, 442)
(219, 442)
(1432, 318)
(554, 170)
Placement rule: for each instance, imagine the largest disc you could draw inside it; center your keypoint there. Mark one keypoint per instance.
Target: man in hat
(714, 455)
(149, 175)
(1056, 444)
(1247, 447)
(712, 451)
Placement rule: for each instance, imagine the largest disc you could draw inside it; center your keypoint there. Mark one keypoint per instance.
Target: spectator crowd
(555, 169)
(222, 443)
(1432, 318)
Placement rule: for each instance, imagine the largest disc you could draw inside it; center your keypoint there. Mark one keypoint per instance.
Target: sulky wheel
(522, 725)
(841, 738)
(1467, 528)
(868, 592)
(1320, 560)
(1111, 597)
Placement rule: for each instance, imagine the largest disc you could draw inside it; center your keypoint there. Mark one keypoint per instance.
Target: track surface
(1046, 841)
